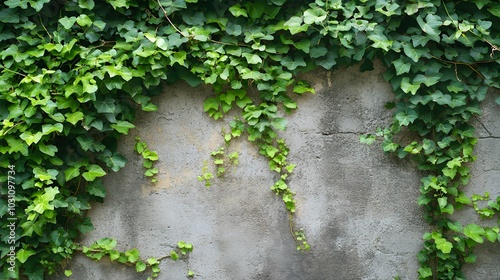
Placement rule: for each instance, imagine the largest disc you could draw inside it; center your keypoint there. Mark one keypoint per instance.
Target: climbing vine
(73, 73)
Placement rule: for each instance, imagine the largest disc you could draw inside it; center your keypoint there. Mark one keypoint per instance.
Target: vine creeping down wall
(73, 74)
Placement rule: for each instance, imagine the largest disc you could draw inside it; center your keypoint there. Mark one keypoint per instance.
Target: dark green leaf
(38, 4)
(118, 3)
(9, 16)
(86, 4)
(430, 25)
(401, 66)
(96, 188)
(85, 226)
(106, 106)
(292, 64)
(495, 10)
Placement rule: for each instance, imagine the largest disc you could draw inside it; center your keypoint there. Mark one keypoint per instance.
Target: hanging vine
(73, 73)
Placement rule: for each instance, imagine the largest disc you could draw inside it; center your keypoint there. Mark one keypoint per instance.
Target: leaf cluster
(106, 247)
(149, 158)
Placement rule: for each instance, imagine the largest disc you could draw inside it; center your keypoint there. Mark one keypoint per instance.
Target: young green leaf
(93, 171)
(474, 232)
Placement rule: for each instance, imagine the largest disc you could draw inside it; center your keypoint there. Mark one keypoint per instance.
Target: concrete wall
(356, 205)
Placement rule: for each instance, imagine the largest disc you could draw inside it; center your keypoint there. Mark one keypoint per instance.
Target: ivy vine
(73, 73)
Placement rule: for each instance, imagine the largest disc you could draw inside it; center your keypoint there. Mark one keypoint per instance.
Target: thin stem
(171, 23)
(12, 71)
(44, 27)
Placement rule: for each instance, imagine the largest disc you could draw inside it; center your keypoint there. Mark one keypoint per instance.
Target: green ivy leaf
(406, 117)
(114, 161)
(9, 16)
(470, 258)
(318, 51)
(73, 118)
(441, 98)
(119, 3)
(401, 66)
(292, 64)
(85, 226)
(442, 201)
(491, 235)
(238, 11)
(316, 15)
(49, 128)
(16, 3)
(86, 4)
(495, 10)
(153, 171)
(106, 243)
(43, 201)
(71, 172)
(106, 106)
(140, 266)
(443, 127)
(93, 171)
(86, 142)
(30, 226)
(31, 138)
(67, 22)
(474, 232)
(443, 245)
(294, 25)
(252, 58)
(414, 53)
(174, 256)
(23, 254)
(132, 255)
(16, 145)
(48, 149)
(419, 40)
(425, 272)
(408, 87)
(456, 227)
(389, 146)
(430, 25)
(122, 126)
(380, 41)
(96, 188)
(84, 20)
(279, 123)
(38, 4)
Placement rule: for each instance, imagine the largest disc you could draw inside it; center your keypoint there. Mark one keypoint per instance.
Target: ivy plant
(148, 156)
(73, 73)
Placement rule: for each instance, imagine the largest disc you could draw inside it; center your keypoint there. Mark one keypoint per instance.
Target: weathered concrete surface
(356, 205)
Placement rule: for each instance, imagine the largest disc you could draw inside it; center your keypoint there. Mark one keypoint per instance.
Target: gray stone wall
(356, 205)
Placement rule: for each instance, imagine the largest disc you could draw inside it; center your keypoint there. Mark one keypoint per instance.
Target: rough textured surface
(356, 205)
